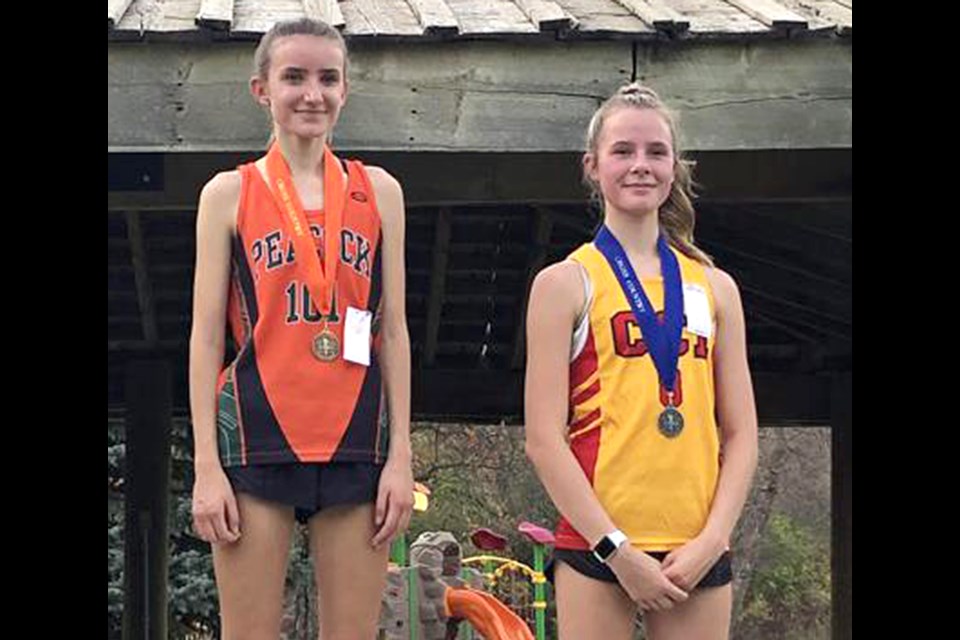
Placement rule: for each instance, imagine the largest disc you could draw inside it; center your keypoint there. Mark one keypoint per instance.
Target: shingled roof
(497, 19)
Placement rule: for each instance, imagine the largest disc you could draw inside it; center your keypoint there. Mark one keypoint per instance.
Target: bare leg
(250, 572)
(705, 615)
(351, 575)
(590, 609)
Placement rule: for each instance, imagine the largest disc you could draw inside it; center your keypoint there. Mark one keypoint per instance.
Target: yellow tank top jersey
(657, 490)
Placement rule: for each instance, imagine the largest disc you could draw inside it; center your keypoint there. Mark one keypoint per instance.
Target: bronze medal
(325, 346)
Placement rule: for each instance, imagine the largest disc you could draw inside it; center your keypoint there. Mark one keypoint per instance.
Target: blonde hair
(676, 215)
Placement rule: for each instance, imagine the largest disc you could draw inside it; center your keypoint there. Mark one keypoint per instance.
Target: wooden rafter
(546, 14)
(115, 11)
(215, 14)
(438, 278)
(543, 229)
(658, 15)
(435, 17)
(141, 276)
(326, 10)
(771, 14)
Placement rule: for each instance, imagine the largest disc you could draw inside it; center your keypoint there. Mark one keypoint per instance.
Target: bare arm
(737, 419)
(555, 298)
(736, 410)
(214, 507)
(395, 498)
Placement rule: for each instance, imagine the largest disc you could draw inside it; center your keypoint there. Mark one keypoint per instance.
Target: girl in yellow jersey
(636, 380)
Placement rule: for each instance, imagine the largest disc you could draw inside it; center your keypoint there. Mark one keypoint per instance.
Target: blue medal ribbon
(662, 338)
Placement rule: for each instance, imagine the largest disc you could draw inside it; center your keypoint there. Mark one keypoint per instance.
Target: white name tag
(697, 309)
(356, 336)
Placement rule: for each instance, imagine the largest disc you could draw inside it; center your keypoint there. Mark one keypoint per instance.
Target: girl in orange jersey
(636, 378)
(302, 253)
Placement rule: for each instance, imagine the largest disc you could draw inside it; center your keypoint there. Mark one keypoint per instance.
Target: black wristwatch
(607, 546)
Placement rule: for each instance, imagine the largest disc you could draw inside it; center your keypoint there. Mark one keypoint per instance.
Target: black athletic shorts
(308, 487)
(586, 563)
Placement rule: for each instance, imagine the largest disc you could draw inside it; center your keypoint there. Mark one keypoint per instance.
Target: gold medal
(325, 346)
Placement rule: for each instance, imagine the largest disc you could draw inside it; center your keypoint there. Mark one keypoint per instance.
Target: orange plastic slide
(490, 617)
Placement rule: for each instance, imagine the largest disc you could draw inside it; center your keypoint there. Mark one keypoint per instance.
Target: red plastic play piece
(487, 540)
(536, 533)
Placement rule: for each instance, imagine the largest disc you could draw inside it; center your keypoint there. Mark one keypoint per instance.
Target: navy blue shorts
(584, 562)
(308, 487)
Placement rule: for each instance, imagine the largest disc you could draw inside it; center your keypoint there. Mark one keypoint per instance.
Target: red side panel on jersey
(586, 449)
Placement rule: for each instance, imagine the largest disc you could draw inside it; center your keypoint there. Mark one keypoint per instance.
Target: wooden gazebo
(479, 107)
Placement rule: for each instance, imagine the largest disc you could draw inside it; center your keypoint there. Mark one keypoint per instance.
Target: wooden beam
(178, 293)
(141, 276)
(215, 14)
(115, 11)
(543, 229)
(787, 177)
(546, 14)
(147, 496)
(377, 18)
(845, 3)
(658, 15)
(326, 10)
(438, 277)
(435, 17)
(495, 396)
(824, 12)
(155, 269)
(835, 12)
(771, 13)
(143, 345)
(493, 97)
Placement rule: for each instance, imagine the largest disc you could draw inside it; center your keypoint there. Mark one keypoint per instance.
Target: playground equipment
(428, 599)
(506, 577)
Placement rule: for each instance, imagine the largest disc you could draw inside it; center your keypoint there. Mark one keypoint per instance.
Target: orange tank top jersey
(276, 402)
(657, 490)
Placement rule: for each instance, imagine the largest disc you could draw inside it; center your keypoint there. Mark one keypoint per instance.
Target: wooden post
(146, 489)
(841, 488)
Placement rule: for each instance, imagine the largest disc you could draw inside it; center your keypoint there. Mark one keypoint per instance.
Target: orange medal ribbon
(321, 281)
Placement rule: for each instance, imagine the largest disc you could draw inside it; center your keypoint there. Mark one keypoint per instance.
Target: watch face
(604, 549)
